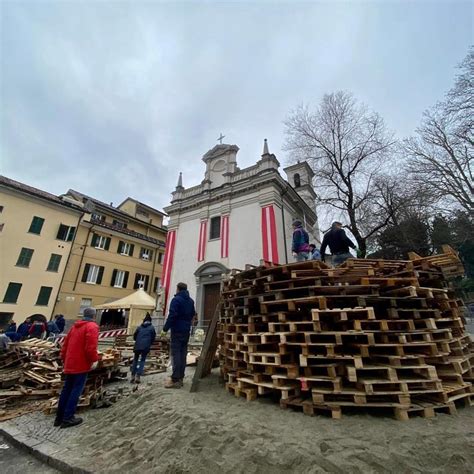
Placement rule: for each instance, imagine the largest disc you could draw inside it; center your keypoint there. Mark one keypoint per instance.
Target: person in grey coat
(144, 337)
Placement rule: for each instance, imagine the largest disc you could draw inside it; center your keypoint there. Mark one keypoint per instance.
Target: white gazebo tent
(138, 304)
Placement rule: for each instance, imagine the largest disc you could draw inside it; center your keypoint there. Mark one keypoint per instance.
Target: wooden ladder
(208, 352)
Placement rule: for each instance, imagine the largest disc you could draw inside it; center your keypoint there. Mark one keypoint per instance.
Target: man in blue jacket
(180, 318)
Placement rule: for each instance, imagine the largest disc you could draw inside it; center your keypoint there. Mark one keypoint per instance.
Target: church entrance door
(212, 295)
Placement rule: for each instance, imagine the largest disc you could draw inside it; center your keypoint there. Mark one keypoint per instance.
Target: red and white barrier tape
(102, 335)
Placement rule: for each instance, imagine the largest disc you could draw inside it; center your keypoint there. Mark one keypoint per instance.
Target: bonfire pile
(30, 377)
(369, 335)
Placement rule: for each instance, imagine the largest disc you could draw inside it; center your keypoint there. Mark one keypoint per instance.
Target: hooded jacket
(300, 240)
(79, 349)
(181, 313)
(144, 336)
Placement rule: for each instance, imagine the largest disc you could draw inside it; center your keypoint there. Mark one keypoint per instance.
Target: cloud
(114, 99)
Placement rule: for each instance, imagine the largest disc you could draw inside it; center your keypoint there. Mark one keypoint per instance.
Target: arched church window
(297, 180)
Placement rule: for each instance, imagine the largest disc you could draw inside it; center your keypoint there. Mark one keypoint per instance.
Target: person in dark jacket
(180, 318)
(338, 242)
(37, 330)
(314, 253)
(144, 337)
(24, 328)
(79, 355)
(60, 322)
(11, 327)
(52, 328)
(300, 246)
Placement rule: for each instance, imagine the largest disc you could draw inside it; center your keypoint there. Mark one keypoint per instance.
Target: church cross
(220, 138)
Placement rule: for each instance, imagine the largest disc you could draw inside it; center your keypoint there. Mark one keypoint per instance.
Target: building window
(142, 211)
(156, 284)
(85, 303)
(160, 258)
(11, 295)
(215, 231)
(98, 217)
(24, 258)
(141, 281)
(43, 296)
(119, 224)
(146, 254)
(1, 210)
(119, 279)
(92, 274)
(125, 248)
(54, 262)
(66, 233)
(36, 225)
(100, 242)
(297, 180)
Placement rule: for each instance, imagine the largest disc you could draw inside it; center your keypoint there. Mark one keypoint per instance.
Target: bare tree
(442, 153)
(346, 145)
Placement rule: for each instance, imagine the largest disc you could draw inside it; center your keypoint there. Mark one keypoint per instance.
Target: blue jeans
(137, 367)
(302, 256)
(340, 258)
(72, 390)
(179, 352)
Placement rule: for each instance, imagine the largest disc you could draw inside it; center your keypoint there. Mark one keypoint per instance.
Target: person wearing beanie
(180, 318)
(144, 337)
(300, 245)
(79, 355)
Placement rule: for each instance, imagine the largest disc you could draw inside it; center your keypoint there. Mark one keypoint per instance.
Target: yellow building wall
(18, 212)
(73, 290)
(130, 207)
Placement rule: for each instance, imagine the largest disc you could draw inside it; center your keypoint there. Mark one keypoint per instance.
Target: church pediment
(220, 150)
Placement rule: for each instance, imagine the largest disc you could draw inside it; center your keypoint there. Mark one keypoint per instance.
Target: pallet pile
(368, 335)
(157, 359)
(30, 373)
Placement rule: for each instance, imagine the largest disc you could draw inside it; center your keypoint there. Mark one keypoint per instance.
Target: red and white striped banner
(202, 241)
(269, 235)
(224, 236)
(168, 261)
(102, 335)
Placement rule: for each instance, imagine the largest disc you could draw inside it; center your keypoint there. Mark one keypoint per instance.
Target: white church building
(233, 218)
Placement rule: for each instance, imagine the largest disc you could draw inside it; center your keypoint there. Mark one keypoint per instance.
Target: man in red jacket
(79, 355)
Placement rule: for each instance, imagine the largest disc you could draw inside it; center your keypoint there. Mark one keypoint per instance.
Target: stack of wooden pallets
(31, 370)
(370, 335)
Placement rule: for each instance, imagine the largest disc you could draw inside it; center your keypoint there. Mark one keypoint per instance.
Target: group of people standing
(80, 354)
(336, 239)
(35, 328)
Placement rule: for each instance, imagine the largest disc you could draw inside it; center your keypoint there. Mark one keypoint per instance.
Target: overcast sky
(113, 99)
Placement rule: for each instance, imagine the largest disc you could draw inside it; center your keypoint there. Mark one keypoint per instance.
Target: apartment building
(36, 234)
(116, 250)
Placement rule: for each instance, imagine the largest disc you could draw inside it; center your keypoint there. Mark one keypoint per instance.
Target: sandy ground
(159, 430)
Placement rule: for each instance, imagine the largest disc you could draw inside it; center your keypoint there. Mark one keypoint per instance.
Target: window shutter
(70, 233)
(114, 275)
(95, 238)
(125, 280)
(151, 255)
(100, 275)
(43, 296)
(131, 250)
(107, 243)
(120, 247)
(142, 251)
(147, 279)
(11, 295)
(86, 272)
(62, 232)
(137, 278)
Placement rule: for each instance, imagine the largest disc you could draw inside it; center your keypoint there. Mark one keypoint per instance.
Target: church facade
(233, 218)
